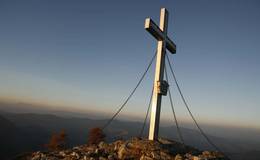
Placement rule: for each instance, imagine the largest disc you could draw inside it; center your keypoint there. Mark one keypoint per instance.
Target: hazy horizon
(66, 111)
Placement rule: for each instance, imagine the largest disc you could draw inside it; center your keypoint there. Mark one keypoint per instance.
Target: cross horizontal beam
(152, 28)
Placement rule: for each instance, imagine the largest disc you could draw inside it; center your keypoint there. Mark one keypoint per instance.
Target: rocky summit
(133, 149)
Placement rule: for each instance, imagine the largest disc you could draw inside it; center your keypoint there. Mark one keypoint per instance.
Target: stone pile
(134, 149)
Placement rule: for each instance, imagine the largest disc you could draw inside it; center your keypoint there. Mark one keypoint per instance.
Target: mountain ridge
(32, 124)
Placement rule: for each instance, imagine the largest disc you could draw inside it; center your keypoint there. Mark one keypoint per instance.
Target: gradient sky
(89, 55)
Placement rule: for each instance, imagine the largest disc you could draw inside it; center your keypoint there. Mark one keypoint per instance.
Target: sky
(90, 55)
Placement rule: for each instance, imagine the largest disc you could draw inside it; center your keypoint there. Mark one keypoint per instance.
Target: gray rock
(62, 153)
(132, 149)
(76, 148)
(155, 155)
(196, 158)
(102, 158)
(97, 151)
(76, 155)
(122, 151)
(178, 157)
(144, 157)
(102, 144)
(110, 157)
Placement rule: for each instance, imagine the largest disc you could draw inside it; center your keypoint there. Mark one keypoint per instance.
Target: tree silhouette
(95, 136)
(57, 141)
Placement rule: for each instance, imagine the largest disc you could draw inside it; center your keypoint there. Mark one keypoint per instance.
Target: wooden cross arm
(152, 28)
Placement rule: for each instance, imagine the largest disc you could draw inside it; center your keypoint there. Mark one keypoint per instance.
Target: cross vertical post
(160, 85)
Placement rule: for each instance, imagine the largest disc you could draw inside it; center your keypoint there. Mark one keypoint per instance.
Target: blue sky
(89, 55)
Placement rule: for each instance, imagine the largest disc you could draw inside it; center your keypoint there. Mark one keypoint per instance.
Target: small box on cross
(162, 87)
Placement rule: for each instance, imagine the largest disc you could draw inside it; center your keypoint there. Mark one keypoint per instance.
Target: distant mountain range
(25, 132)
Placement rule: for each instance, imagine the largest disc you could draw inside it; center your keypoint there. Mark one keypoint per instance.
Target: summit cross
(160, 85)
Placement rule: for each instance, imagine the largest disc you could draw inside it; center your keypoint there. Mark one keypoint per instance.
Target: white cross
(160, 86)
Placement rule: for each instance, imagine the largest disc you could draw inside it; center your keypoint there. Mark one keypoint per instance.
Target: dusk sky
(89, 54)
